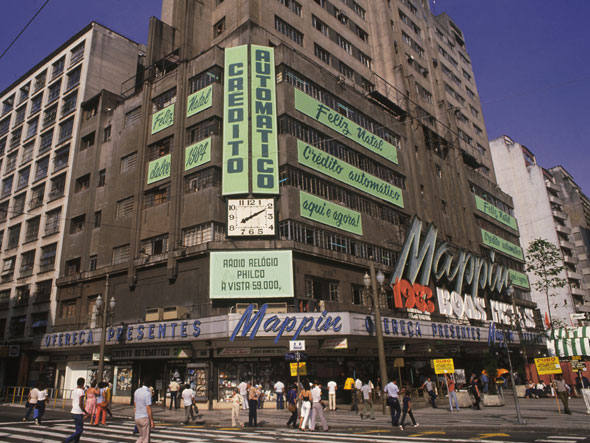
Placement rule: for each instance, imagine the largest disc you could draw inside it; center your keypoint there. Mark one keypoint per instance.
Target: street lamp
(371, 282)
(510, 293)
(110, 303)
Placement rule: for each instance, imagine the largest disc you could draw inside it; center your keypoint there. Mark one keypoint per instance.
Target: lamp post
(510, 292)
(103, 331)
(371, 282)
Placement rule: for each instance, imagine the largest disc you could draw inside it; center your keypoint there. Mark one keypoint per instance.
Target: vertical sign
(265, 175)
(235, 122)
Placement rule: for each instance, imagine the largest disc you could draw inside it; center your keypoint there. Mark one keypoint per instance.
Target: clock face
(250, 217)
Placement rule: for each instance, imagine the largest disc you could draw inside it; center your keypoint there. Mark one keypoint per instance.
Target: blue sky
(530, 59)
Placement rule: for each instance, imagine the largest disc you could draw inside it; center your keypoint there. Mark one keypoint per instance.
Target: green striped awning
(565, 333)
(570, 346)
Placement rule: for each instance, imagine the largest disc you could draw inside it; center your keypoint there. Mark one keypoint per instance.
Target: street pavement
(497, 424)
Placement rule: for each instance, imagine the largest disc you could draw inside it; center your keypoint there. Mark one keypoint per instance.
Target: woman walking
(101, 405)
(305, 396)
(292, 406)
(91, 400)
(407, 409)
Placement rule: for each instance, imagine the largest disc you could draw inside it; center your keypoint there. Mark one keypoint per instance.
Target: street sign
(398, 362)
(302, 368)
(577, 363)
(548, 365)
(444, 366)
(577, 316)
(296, 345)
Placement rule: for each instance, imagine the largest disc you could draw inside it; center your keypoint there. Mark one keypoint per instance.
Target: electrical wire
(24, 28)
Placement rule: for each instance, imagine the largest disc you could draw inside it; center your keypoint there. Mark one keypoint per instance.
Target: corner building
(264, 156)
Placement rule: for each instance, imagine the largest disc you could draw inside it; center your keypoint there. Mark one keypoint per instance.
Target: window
(43, 291)
(39, 323)
(124, 207)
(4, 126)
(7, 186)
(20, 115)
(54, 91)
(8, 265)
(69, 104)
(15, 137)
(52, 219)
(47, 262)
(46, 141)
(32, 231)
(155, 196)
(27, 154)
(345, 70)
(77, 224)
(470, 93)
(72, 266)
(128, 162)
(102, 176)
(65, 130)
(18, 205)
(97, 219)
(42, 166)
(201, 180)
(82, 183)
(3, 212)
(32, 128)
(10, 162)
(474, 111)
(77, 54)
(357, 295)
(408, 21)
(27, 261)
(205, 78)
(106, 133)
(424, 93)
(333, 291)
(411, 43)
(92, 262)
(60, 160)
(155, 246)
(58, 185)
(22, 295)
(87, 141)
(466, 75)
(23, 178)
(68, 309)
(2, 145)
(219, 27)
(36, 103)
(121, 254)
(293, 5)
(320, 25)
(13, 236)
(163, 100)
(204, 129)
(8, 104)
(90, 109)
(344, 44)
(199, 234)
(133, 116)
(40, 80)
(478, 130)
(73, 78)
(58, 67)
(321, 53)
(284, 28)
(17, 326)
(24, 93)
(159, 149)
(37, 195)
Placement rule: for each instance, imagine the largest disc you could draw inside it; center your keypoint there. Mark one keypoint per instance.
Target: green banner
(494, 212)
(265, 156)
(199, 101)
(495, 242)
(346, 173)
(235, 122)
(328, 213)
(518, 279)
(336, 121)
(159, 169)
(163, 118)
(197, 154)
(251, 274)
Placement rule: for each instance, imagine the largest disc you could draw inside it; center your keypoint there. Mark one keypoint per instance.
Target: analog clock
(250, 217)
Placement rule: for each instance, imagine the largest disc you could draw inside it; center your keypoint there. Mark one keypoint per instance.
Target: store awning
(567, 342)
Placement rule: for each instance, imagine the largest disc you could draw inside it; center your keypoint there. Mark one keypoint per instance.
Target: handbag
(291, 407)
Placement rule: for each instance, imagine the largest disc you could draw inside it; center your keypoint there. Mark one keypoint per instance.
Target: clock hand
(245, 219)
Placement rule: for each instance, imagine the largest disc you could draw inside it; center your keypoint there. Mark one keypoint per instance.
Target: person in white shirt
(40, 409)
(356, 396)
(279, 391)
(367, 411)
(188, 398)
(32, 400)
(243, 388)
(142, 409)
(317, 409)
(332, 395)
(78, 412)
(236, 401)
(392, 392)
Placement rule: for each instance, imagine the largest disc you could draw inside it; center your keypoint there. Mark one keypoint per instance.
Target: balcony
(574, 275)
(567, 244)
(578, 291)
(569, 259)
(550, 185)
(553, 199)
(558, 213)
(563, 229)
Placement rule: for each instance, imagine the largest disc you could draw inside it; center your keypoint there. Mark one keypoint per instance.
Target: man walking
(188, 398)
(174, 392)
(142, 408)
(236, 400)
(78, 412)
(317, 409)
(32, 400)
(429, 386)
(279, 388)
(392, 392)
(332, 395)
(356, 395)
(40, 410)
(562, 392)
(367, 411)
(243, 388)
(253, 394)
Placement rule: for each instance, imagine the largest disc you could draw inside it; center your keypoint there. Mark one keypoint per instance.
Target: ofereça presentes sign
(518, 279)
(494, 212)
(163, 119)
(197, 154)
(199, 101)
(336, 121)
(334, 167)
(265, 153)
(250, 274)
(495, 242)
(235, 122)
(159, 169)
(328, 213)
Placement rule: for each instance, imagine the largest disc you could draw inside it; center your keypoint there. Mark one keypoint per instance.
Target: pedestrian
(236, 402)
(260, 397)
(562, 392)
(500, 381)
(305, 397)
(174, 387)
(243, 388)
(429, 386)
(91, 394)
(101, 405)
(31, 403)
(317, 408)
(253, 395)
(485, 381)
(279, 388)
(332, 386)
(367, 411)
(392, 392)
(475, 391)
(407, 409)
(142, 409)
(452, 393)
(292, 406)
(188, 398)
(78, 412)
(109, 398)
(356, 395)
(40, 409)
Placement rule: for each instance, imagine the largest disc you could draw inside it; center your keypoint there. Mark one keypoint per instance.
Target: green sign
(163, 118)
(199, 101)
(197, 154)
(336, 121)
(518, 278)
(251, 274)
(494, 212)
(346, 173)
(159, 169)
(495, 242)
(235, 122)
(265, 157)
(328, 213)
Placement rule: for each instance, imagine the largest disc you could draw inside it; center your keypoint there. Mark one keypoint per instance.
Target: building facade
(264, 158)
(38, 129)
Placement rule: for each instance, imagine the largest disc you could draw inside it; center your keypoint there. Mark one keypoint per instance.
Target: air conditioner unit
(241, 307)
(174, 312)
(277, 308)
(153, 314)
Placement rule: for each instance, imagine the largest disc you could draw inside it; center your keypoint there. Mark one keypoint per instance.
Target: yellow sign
(548, 365)
(302, 369)
(349, 384)
(398, 362)
(444, 366)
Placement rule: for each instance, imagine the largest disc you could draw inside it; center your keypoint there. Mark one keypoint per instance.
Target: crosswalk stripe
(28, 438)
(51, 434)
(126, 434)
(567, 437)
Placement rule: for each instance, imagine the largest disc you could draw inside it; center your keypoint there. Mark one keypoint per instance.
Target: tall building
(38, 130)
(539, 206)
(267, 155)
